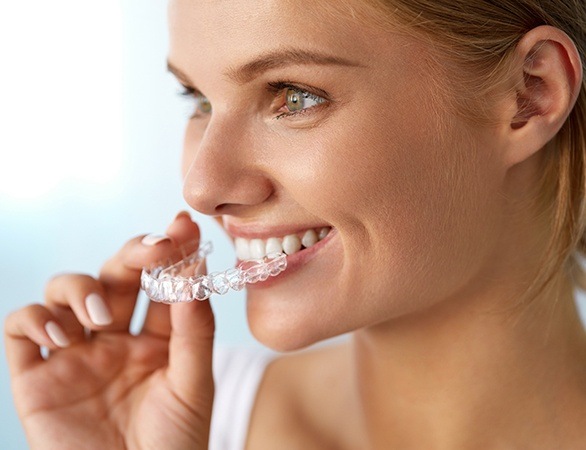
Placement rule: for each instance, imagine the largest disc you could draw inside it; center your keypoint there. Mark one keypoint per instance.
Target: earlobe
(549, 79)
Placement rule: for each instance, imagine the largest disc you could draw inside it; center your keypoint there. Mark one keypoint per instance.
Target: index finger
(122, 272)
(120, 275)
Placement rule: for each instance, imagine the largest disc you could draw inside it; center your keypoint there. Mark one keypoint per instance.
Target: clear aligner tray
(179, 282)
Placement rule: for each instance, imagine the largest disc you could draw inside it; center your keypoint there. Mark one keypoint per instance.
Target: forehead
(219, 34)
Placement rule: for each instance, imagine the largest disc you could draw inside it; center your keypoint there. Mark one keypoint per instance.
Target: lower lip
(294, 262)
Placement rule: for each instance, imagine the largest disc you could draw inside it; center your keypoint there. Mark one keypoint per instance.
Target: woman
(441, 145)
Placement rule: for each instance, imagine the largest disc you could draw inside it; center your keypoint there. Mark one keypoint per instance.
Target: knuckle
(61, 284)
(33, 310)
(55, 281)
(9, 320)
(22, 315)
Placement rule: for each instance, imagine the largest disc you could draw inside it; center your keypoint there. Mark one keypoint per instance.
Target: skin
(431, 240)
(389, 193)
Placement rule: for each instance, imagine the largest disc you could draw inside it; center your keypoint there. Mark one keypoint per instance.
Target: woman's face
(317, 120)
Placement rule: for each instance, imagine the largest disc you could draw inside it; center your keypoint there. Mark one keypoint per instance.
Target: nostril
(225, 208)
(213, 185)
(230, 209)
(227, 197)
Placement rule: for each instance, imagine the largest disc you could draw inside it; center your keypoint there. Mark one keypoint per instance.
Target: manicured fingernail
(56, 334)
(97, 310)
(182, 214)
(154, 239)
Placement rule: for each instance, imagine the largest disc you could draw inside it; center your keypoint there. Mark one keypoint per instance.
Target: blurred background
(90, 140)
(91, 131)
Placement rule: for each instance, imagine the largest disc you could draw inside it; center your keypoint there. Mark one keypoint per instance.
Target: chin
(288, 331)
(281, 337)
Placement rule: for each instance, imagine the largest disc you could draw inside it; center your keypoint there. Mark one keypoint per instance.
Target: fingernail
(97, 310)
(182, 214)
(154, 239)
(56, 334)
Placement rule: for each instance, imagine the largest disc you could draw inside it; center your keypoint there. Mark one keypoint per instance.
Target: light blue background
(91, 131)
(90, 140)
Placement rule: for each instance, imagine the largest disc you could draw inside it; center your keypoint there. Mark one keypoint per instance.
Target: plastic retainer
(168, 284)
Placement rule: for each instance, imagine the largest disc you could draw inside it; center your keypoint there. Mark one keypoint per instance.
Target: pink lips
(260, 231)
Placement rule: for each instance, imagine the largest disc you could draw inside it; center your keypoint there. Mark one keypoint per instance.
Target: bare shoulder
(299, 400)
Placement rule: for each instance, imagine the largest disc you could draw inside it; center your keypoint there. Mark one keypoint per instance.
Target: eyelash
(276, 88)
(191, 93)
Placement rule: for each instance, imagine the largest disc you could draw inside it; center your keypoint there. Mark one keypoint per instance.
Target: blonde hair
(477, 39)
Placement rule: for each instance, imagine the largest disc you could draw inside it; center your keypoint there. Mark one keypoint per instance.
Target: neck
(461, 375)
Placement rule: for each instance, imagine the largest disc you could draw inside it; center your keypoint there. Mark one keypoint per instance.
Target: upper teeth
(292, 243)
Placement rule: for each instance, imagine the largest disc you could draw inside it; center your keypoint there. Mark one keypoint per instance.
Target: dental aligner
(179, 282)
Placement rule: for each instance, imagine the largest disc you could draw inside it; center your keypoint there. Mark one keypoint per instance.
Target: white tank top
(237, 375)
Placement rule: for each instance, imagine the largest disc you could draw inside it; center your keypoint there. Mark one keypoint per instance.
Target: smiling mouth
(290, 244)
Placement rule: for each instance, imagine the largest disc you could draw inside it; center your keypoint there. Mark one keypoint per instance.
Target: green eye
(294, 100)
(297, 100)
(199, 105)
(203, 105)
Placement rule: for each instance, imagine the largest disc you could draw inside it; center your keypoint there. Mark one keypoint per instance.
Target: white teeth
(274, 246)
(242, 248)
(257, 248)
(309, 238)
(291, 244)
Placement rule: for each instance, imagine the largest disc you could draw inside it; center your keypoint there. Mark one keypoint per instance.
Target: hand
(108, 389)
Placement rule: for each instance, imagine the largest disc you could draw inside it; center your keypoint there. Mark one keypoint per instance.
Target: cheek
(416, 214)
(411, 205)
(380, 168)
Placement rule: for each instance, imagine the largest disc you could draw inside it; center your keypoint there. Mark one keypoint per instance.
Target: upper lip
(264, 231)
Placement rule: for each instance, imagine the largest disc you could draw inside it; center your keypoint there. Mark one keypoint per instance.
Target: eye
(297, 100)
(201, 106)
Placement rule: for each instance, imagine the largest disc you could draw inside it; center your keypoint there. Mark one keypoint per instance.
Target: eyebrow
(280, 58)
(178, 73)
(273, 60)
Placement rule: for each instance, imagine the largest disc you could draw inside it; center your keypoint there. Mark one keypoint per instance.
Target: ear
(548, 77)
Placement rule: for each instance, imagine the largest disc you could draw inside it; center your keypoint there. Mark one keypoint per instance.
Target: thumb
(190, 353)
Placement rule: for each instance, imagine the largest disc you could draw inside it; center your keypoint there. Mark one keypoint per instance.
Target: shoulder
(298, 400)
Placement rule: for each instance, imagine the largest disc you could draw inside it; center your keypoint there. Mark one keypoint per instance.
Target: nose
(224, 175)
